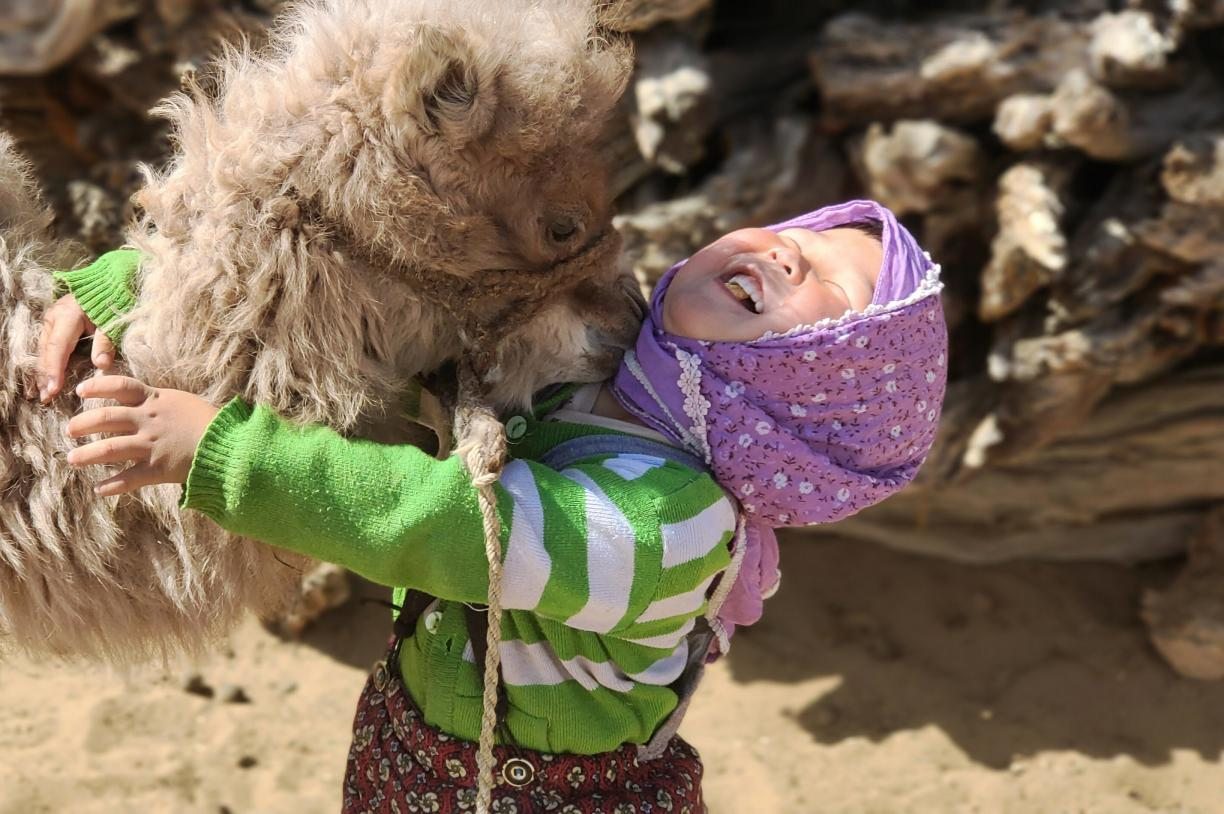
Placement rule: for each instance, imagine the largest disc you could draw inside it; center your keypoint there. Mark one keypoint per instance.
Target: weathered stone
(1194, 170)
(915, 166)
(951, 68)
(775, 169)
(325, 587)
(1195, 14)
(1030, 249)
(1127, 50)
(38, 35)
(1123, 486)
(639, 15)
(1119, 126)
(1186, 621)
(674, 109)
(1024, 121)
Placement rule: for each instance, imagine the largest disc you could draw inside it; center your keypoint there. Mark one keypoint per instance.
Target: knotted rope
(488, 308)
(484, 450)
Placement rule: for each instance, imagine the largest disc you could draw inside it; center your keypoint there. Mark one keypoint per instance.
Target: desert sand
(877, 683)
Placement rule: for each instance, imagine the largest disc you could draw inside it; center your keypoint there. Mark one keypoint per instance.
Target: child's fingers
(59, 336)
(123, 389)
(129, 480)
(103, 353)
(103, 420)
(117, 450)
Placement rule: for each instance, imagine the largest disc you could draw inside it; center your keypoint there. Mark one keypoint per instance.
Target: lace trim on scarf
(696, 406)
(634, 367)
(930, 285)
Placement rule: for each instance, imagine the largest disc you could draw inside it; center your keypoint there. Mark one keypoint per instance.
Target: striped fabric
(607, 563)
(629, 546)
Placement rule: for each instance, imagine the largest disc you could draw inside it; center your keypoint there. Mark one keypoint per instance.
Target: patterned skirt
(399, 764)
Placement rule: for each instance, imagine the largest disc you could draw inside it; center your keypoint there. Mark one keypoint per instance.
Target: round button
(516, 427)
(381, 676)
(517, 772)
(432, 620)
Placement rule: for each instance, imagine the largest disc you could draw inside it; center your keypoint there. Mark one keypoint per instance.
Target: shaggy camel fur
(389, 183)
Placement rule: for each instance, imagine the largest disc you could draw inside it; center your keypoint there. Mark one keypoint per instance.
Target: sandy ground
(877, 683)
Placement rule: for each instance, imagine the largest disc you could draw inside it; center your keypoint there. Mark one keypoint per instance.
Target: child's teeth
(736, 290)
(744, 288)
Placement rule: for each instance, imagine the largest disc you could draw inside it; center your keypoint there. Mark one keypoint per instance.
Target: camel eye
(562, 229)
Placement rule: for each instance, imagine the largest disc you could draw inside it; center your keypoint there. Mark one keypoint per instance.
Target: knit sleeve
(105, 289)
(585, 546)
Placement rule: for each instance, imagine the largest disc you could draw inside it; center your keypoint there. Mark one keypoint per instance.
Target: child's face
(754, 280)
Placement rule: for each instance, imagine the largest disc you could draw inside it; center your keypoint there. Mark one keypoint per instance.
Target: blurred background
(1036, 625)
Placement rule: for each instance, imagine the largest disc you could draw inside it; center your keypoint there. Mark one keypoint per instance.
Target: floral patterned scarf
(804, 427)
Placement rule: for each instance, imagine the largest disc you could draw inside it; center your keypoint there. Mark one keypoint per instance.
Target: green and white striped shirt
(607, 563)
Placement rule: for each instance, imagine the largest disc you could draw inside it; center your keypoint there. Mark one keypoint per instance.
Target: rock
(232, 694)
(954, 68)
(1024, 121)
(38, 35)
(97, 213)
(1088, 116)
(1123, 126)
(1127, 50)
(639, 15)
(1124, 486)
(194, 683)
(775, 169)
(322, 589)
(1030, 249)
(1193, 171)
(1186, 620)
(674, 112)
(918, 165)
(1194, 14)
(174, 12)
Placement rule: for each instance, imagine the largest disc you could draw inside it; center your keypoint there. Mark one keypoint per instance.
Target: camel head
(386, 185)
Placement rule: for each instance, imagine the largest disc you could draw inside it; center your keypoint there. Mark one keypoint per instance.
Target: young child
(795, 372)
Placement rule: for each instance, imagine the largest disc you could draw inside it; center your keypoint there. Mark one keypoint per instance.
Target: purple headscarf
(804, 427)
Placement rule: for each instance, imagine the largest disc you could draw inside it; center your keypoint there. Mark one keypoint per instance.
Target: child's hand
(63, 326)
(157, 430)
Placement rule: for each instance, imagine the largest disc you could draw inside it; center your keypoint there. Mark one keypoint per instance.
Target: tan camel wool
(388, 186)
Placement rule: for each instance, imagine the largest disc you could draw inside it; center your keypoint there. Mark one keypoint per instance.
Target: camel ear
(442, 87)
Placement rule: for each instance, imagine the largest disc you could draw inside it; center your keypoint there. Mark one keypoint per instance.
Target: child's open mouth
(748, 291)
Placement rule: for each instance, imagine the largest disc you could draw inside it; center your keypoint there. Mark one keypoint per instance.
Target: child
(799, 368)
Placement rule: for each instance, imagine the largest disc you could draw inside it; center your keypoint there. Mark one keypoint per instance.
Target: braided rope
(483, 450)
(509, 302)
(488, 713)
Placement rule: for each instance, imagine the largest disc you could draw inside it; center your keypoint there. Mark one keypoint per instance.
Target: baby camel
(387, 184)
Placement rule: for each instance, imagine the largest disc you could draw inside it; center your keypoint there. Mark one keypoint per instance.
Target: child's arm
(93, 298)
(105, 289)
(595, 547)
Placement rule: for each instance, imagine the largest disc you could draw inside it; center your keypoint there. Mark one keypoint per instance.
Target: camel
(386, 186)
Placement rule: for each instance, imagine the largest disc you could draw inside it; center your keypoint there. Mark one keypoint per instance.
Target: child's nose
(791, 261)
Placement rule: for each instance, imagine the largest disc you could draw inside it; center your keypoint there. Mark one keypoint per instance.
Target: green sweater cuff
(105, 289)
(213, 483)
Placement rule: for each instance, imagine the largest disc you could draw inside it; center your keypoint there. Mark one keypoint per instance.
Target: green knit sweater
(607, 563)
(105, 289)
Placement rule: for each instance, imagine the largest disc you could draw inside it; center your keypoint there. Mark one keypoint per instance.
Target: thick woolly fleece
(303, 188)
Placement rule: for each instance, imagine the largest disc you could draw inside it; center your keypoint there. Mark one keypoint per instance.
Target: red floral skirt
(398, 764)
